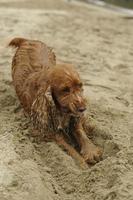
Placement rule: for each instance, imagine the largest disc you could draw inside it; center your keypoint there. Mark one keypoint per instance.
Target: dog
(52, 96)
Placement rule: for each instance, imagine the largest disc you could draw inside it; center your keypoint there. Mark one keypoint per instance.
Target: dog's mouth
(72, 113)
(72, 109)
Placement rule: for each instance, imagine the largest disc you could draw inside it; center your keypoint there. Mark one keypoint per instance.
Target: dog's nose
(81, 109)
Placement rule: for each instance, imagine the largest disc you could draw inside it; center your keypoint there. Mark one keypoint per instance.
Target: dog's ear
(41, 108)
(45, 93)
(45, 90)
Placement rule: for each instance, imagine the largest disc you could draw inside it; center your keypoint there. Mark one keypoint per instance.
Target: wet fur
(39, 83)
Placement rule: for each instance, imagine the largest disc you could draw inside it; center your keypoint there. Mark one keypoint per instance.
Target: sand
(99, 42)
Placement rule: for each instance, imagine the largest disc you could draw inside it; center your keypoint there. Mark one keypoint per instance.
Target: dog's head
(67, 89)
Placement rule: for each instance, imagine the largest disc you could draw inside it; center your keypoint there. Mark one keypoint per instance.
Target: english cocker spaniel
(52, 95)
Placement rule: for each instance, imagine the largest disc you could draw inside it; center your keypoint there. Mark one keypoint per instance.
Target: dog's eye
(66, 89)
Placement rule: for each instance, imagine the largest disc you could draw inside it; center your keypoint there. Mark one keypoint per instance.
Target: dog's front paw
(91, 153)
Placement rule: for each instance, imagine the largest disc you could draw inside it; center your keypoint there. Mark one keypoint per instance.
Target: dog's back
(31, 56)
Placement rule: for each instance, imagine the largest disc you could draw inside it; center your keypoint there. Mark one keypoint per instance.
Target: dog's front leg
(61, 141)
(88, 150)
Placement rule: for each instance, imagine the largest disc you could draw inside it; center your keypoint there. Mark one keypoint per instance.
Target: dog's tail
(17, 42)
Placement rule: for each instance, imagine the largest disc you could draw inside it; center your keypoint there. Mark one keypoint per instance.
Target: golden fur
(52, 95)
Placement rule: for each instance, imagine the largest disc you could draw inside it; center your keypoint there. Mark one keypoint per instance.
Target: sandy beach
(99, 42)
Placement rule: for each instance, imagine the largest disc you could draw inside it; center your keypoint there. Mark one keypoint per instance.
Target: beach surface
(99, 42)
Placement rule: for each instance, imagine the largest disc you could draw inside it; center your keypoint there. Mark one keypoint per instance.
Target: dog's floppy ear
(45, 89)
(41, 108)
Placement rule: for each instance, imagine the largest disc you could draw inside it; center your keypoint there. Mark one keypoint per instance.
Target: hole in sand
(103, 139)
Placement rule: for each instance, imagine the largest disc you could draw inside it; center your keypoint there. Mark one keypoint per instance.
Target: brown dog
(52, 95)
